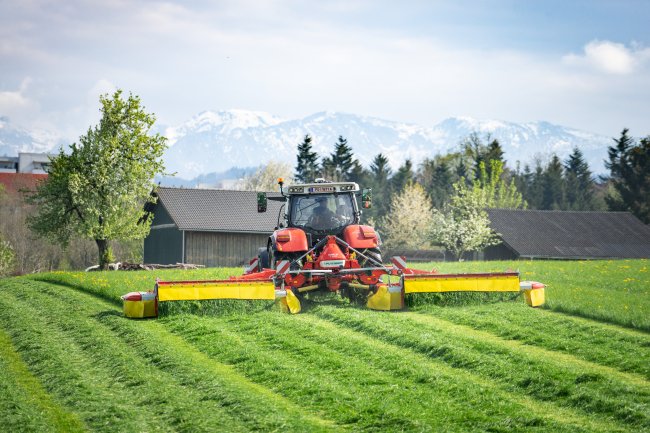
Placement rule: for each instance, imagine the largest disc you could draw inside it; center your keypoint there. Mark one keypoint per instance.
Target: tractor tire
(374, 254)
(263, 258)
(275, 258)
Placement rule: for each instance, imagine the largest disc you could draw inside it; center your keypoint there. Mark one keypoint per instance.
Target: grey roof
(218, 210)
(563, 234)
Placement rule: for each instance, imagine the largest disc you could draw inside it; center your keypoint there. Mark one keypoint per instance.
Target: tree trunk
(105, 253)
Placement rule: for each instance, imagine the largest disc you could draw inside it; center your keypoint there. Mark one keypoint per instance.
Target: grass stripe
(576, 364)
(67, 373)
(408, 363)
(156, 392)
(314, 386)
(620, 348)
(263, 408)
(538, 378)
(22, 397)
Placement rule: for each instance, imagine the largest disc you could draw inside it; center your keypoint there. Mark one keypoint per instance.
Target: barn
(208, 227)
(540, 234)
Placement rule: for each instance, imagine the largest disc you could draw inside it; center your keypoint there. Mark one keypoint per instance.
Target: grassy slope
(482, 367)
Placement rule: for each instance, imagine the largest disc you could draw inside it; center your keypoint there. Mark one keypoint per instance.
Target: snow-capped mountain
(214, 142)
(524, 142)
(14, 140)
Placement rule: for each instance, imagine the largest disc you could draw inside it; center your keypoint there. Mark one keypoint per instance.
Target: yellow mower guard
(437, 283)
(215, 289)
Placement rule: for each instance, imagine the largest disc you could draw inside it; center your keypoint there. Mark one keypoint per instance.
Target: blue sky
(584, 64)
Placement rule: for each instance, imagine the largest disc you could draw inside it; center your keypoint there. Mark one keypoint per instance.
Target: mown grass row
(126, 375)
(536, 373)
(611, 345)
(24, 403)
(111, 285)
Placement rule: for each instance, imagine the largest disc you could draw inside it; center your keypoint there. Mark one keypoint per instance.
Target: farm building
(541, 234)
(208, 227)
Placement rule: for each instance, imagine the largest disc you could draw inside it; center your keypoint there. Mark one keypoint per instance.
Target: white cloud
(15, 104)
(293, 60)
(101, 87)
(610, 57)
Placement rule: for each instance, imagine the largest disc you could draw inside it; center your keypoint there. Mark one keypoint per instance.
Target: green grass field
(70, 361)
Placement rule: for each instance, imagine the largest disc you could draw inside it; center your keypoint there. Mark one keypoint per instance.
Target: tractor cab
(322, 208)
(313, 212)
(319, 208)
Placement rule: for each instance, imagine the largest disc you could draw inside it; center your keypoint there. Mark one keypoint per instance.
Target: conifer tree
(535, 190)
(477, 152)
(579, 182)
(523, 180)
(402, 177)
(437, 178)
(462, 169)
(339, 164)
(629, 166)
(378, 180)
(494, 152)
(553, 185)
(358, 173)
(307, 166)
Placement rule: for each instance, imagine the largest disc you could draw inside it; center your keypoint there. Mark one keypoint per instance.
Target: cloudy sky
(584, 64)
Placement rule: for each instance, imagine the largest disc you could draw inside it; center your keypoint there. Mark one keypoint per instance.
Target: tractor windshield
(322, 212)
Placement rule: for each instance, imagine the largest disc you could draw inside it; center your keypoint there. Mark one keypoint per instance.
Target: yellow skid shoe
(387, 298)
(290, 303)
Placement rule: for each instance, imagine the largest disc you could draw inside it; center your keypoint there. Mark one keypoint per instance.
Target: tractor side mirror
(366, 198)
(261, 202)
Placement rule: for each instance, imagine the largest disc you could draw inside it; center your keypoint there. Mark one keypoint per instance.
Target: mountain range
(211, 144)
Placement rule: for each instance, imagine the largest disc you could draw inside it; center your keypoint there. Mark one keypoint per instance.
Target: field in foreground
(69, 361)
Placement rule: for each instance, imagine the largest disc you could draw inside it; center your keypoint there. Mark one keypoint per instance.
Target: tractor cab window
(324, 212)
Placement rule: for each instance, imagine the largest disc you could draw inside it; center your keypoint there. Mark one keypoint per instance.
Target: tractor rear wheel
(263, 259)
(276, 257)
(374, 258)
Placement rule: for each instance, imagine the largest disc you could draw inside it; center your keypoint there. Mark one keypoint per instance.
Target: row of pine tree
(552, 185)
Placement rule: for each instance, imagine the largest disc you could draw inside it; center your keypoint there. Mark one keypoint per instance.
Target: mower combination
(320, 245)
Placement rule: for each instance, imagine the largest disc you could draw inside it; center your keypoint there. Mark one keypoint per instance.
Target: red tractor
(320, 244)
(320, 241)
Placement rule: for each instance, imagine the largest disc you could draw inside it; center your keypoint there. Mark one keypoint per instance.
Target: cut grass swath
(110, 285)
(544, 379)
(617, 347)
(24, 403)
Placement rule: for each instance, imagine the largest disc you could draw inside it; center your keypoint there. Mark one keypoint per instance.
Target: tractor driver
(322, 217)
